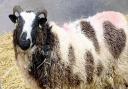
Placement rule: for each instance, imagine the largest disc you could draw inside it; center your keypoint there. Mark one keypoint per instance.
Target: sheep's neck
(41, 63)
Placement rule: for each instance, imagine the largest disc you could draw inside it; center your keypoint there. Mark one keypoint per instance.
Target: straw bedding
(10, 76)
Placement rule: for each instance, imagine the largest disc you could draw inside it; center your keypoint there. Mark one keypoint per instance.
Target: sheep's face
(27, 24)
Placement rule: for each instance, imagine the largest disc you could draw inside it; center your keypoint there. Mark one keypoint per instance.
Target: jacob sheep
(25, 35)
(90, 53)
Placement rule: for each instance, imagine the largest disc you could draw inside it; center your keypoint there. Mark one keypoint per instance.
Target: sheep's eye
(20, 21)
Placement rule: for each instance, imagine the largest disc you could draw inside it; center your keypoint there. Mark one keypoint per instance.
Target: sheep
(28, 24)
(89, 53)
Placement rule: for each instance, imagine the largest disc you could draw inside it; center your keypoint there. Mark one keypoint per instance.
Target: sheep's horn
(17, 9)
(42, 12)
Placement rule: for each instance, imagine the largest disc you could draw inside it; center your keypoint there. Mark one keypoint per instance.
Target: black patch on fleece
(41, 63)
(115, 38)
(90, 33)
(99, 68)
(89, 67)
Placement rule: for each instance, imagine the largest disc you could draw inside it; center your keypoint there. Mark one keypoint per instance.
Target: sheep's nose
(23, 42)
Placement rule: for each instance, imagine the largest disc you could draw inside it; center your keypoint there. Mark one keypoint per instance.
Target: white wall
(60, 10)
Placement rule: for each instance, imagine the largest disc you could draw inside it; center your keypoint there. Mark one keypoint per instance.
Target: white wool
(28, 17)
(63, 41)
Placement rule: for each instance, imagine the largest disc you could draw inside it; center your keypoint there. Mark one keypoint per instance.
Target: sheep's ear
(42, 21)
(13, 18)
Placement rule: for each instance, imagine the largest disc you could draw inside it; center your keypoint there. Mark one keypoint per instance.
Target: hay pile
(10, 76)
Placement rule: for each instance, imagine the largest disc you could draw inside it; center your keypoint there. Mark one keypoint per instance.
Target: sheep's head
(27, 24)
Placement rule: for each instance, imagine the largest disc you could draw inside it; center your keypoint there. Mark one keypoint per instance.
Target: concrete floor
(59, 10)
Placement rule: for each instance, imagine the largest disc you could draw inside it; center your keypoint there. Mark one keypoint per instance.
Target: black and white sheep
(89, 53)
(25, 35)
